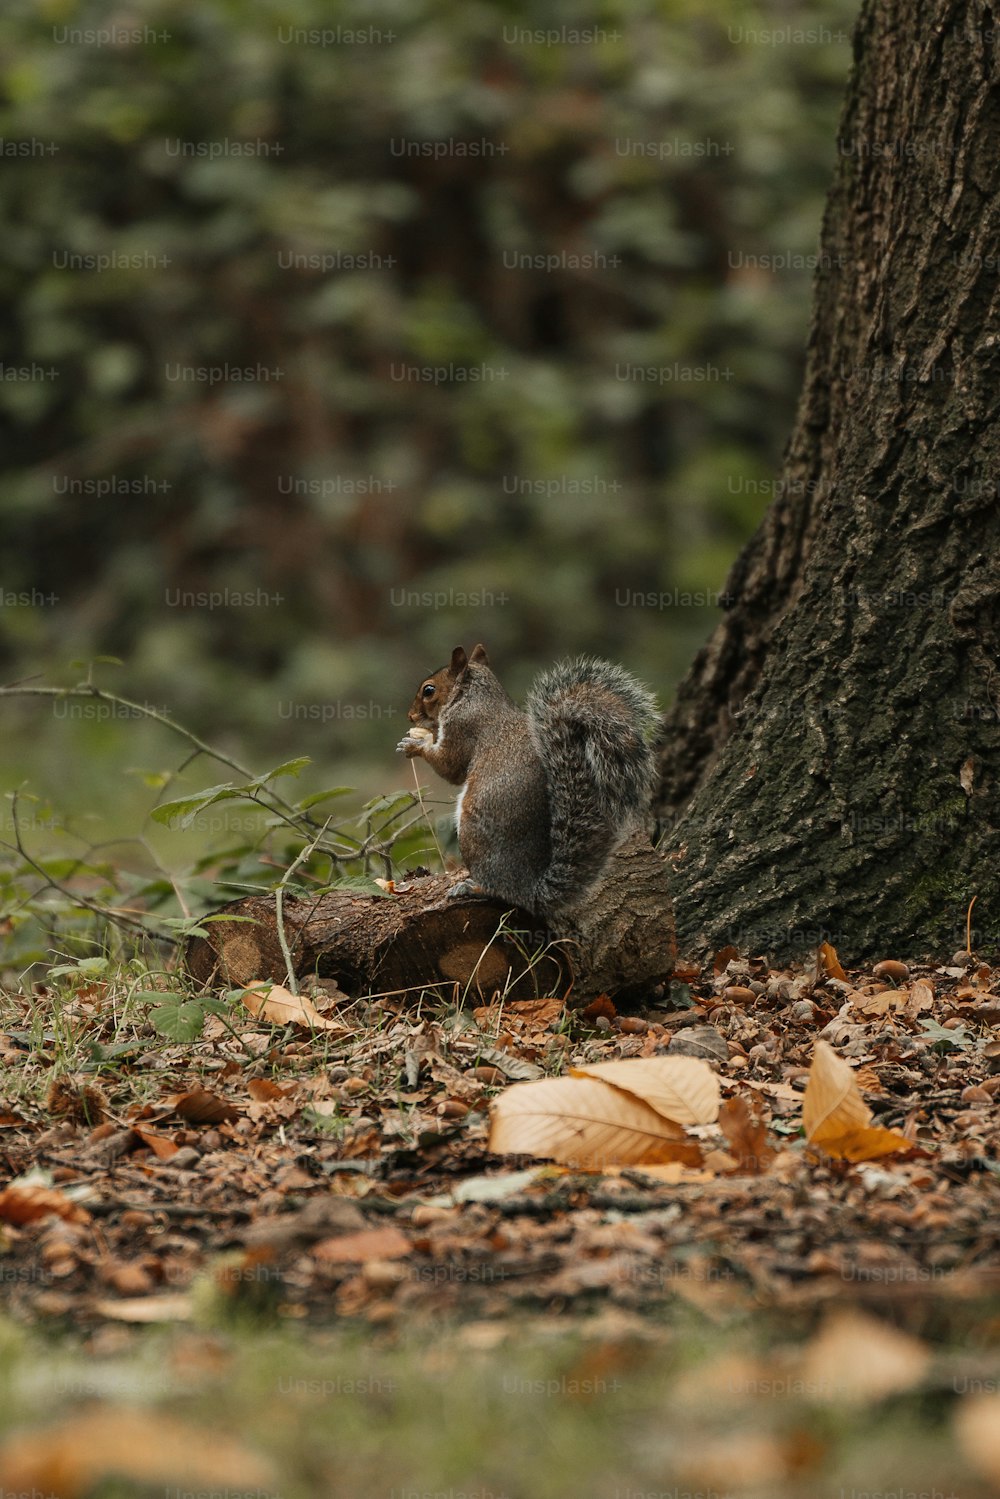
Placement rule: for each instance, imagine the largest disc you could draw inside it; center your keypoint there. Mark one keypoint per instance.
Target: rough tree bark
(830, 768)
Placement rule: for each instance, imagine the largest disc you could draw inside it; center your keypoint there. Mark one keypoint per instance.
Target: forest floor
(285, 1262)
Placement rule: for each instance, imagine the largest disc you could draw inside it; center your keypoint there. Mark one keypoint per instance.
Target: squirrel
(549, 792)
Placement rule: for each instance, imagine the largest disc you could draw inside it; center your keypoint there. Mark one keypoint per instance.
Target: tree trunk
(620, 939)
(830, 767)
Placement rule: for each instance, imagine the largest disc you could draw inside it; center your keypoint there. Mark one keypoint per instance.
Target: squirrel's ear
(479, 654)
(459, 660)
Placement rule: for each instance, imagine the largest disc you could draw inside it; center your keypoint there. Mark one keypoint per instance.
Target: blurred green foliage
(343, 210)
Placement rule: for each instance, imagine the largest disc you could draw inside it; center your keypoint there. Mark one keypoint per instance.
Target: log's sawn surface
(620, 938)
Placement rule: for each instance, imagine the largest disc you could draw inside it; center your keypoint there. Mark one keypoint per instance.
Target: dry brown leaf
(859, 1358)
(869, 1081)
(166, 1306)
(701, 1041)
(732, 1463)
(161, 1145)
(370, 1244)
(879, 1004)
(829, 963)
(722, 959)
(782, 1091)
(198, 1106)
(683, 1089)
(602, 1005)
(747, 1136)
(582, 1121)
(538, 1012)
(262, 1090)
(977, 1426)
(721, 1163)
(25, 1204)
(281, 1007)
(835, 1116)
(674, 1172)
(921, 997)
(67, 1461)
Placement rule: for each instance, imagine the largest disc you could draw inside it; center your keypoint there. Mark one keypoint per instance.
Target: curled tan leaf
(282, 1007)
(683, 1089)
(836, 1118)
(828, 962)
(582, 1121)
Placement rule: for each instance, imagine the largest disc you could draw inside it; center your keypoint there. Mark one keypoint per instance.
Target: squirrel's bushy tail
(591, 723)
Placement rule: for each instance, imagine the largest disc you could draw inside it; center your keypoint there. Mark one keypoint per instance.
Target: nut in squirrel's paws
(414, 737)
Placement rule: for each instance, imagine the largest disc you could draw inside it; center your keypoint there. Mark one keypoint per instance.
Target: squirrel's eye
(428, 690)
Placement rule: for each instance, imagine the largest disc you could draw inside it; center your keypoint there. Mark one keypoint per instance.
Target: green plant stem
(279, 906)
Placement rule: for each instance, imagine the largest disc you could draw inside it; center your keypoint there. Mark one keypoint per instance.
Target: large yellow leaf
(582, 1121)
(684, 1089)
(835, 1116)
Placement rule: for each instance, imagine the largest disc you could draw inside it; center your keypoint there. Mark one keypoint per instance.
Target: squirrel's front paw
(414, 742)
(464, 889)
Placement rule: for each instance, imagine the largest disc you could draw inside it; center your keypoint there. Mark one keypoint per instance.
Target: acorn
(892, 968)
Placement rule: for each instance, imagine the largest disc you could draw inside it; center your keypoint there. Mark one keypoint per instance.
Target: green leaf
(59, 869)
(152, 888)
(183, 926)
(222, 916)
(390, 803)
(321, 796)
(186, 808)
(288, 768)
(86, 968)
(945, 1039)
(324, 1124)
(101, 1056)
(363, 883)
(154, 779)
(183, 1022)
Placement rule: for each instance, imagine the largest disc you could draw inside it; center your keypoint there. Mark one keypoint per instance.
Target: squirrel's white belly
(458, 808)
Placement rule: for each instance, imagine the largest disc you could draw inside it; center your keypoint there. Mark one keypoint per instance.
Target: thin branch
(112, 913)
(87, 689)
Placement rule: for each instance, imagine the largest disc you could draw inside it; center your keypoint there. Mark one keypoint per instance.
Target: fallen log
(620, 939)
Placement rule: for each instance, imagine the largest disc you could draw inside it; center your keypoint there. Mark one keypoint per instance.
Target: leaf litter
(819, 1140)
